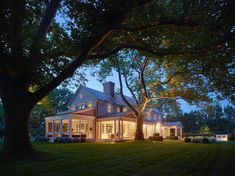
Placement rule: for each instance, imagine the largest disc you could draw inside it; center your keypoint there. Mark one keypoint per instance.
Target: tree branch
(163, 52)
(163, 21)
(45, 23)
(69, 71)
(18, 8)
(129, 88)
(121, 91)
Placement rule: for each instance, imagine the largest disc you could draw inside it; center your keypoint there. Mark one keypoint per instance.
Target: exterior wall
(83, 98)
(221, 137)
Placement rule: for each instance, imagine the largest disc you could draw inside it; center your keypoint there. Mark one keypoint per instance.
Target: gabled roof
(175, 124)
(117, 99)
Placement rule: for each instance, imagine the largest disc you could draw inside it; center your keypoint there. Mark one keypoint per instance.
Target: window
(109, 108)
(89, 104)
(118, 109)
(125, 109)
(50, 127)
(81, 106)
(65, 127)
(80, 96)
(155, 116)
(73, 107)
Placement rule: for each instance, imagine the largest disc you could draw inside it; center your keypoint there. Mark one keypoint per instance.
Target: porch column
(115, 130)
(154, 128)
(160, 131)
(122, 129)
(169, 131)
(61, 127)
(46, 128)
(53, 129)
(146, 131)
(70, 127)
(176, 131)
(119, 129)
(180, 132)
(94, 129)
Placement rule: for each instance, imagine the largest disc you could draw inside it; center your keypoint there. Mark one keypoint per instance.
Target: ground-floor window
(49, 127)
(129, 129)
(82, 127)
(107, 130)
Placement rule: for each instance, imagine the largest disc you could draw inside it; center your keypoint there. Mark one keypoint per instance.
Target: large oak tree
(38, 52)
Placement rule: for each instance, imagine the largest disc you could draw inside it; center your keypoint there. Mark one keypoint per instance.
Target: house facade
(105, 116)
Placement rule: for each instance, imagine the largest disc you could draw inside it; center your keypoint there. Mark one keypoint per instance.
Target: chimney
(108, 88)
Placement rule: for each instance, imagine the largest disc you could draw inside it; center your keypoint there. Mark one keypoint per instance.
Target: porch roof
(173, 124)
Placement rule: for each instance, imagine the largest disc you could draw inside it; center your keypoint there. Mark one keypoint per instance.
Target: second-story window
(109, 108)
(124, 109)
(118, 109)
(89, 105)
(81, 106)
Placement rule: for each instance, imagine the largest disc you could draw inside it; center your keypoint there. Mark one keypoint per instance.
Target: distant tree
(229, 112)
(56, 101)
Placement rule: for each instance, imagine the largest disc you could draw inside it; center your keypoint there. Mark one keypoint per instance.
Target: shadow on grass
(38, 156)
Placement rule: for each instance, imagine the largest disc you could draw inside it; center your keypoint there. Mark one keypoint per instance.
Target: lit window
(109, 108)
(125, 109)
(80, 96)
(118, 109)
(155, 116)
(81, 106)
(90, 105)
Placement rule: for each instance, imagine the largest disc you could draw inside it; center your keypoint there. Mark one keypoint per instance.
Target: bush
(195, 140)
(231, 137)
(205, 140)
(187, 140)
(155, 137)
(173, 137)
(156, 134)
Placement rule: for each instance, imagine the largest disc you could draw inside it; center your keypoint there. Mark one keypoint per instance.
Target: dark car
(41, 139)
(64, 140)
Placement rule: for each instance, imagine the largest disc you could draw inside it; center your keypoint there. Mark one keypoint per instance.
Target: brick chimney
(108, 88)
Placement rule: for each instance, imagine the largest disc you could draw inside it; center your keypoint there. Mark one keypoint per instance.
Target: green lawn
(129, 158)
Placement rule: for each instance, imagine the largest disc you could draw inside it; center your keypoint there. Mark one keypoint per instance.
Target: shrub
(187, 140)
(173, 137)
(156, 134)
(195, 140)
(231, 137)
(156, 137)
(205, 140)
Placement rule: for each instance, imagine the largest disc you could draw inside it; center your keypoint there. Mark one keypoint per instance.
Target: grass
(127, 159)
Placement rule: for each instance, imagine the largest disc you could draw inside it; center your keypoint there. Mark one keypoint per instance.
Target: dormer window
(73, 107)
(155, 116)
(124, 109)
(81, 106)
(89, 105)
(118, 109)
(109, 108)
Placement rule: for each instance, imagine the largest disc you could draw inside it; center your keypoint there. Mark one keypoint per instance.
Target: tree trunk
(17, 108)
(139, 135)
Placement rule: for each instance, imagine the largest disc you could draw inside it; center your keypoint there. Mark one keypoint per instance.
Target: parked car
(41, 139)
(64, 140)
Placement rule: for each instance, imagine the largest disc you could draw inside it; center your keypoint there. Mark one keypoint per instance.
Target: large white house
(104, 115)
